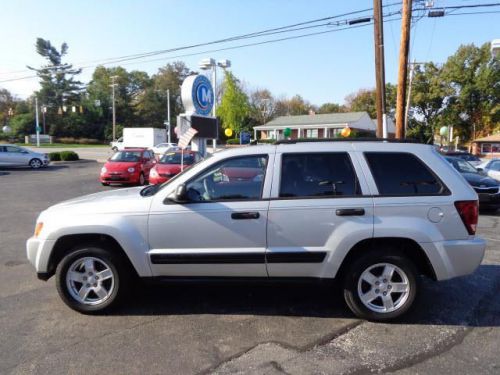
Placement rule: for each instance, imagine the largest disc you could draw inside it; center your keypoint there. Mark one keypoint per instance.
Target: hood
(475, 179)
(169, 168)
(120, 166)
(114, 201)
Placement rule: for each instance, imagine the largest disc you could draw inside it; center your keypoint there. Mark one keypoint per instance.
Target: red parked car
(129, 166)
(170, 164)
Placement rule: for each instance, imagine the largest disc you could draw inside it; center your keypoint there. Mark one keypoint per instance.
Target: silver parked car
(12, 155)
(372, 215)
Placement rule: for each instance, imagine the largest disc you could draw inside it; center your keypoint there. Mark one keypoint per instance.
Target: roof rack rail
(361, 139)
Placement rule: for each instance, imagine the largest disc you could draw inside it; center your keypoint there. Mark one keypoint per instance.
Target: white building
(319, 126)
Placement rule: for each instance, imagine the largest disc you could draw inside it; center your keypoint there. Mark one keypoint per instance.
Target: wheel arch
(408, 247)
(65, 244)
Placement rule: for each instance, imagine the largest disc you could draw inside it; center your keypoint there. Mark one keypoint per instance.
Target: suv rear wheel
(380, 286)
(91, 279)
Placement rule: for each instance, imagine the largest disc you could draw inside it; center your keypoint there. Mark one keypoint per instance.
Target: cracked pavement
(228, 329)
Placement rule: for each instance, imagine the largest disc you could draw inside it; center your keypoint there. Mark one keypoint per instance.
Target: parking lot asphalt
(227, 329)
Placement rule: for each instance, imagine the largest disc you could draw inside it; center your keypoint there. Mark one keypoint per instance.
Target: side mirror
(180, 194)
(480, 169)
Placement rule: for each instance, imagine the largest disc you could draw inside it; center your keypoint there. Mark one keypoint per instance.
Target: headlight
(131, 170)
(38, 228)
(153, 173)
(103, 170)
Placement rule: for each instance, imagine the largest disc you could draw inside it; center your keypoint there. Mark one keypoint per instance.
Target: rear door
(320, 207)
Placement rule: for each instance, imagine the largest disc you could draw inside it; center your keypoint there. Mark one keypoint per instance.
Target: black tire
(120, 277)
(105, 183)
(114, 149)
(36, 163)
(352, 277)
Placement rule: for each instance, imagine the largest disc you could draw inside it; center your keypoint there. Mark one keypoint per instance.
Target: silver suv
(373, 215)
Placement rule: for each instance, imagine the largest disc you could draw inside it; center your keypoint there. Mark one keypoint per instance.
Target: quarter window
(402, 174)
(233, 179)
(318, 175)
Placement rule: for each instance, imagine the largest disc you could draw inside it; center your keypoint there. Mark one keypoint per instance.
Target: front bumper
(38, 252)
(455, 258)
(110, 178)
(158, 179)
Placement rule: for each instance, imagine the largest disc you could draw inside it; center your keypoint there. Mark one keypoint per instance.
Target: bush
(69, 156)
(233, 141)
(82, 141)
(55, 156)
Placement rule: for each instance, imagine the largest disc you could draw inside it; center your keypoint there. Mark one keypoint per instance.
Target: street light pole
(168, 116)
(114, 107)
(37, 123)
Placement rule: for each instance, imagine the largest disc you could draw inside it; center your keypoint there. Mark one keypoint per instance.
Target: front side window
(402, 174)
(318, 175)
(233, 179)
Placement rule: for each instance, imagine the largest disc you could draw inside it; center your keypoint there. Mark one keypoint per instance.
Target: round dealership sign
(197, 95)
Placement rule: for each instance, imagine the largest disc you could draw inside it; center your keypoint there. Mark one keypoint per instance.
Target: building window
(485, 148)
(312, 133)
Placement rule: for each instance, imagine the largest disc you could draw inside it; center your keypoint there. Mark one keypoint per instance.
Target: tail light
(469, 212)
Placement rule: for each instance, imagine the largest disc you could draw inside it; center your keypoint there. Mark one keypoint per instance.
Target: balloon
(287, 132)
(346, 132)
(443, 132)
(228, 132)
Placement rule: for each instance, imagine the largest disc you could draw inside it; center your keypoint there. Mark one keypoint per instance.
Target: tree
(7, 106)
(331, 108)
(473, 75)
(234, 108)
(263, 106)
(57, 79)
(364, 101)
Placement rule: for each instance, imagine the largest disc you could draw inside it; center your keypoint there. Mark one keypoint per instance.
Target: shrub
(82, 141)
(69, 156)
(233, 141)
(54, 156)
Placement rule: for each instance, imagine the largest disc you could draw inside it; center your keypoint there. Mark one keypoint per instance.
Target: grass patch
(60, 145)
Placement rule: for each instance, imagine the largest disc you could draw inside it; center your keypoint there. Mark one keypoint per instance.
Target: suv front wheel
(91, 279)
(380, 287)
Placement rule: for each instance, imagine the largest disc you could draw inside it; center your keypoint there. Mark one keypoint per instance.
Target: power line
(264, 33)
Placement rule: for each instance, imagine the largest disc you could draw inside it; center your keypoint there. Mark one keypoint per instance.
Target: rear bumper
(455, 258)
(489, 200)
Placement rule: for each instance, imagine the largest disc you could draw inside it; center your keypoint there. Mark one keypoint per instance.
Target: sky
(321, 68)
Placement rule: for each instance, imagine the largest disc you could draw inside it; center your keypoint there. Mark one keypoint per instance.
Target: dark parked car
(467, 156)
(486, 188)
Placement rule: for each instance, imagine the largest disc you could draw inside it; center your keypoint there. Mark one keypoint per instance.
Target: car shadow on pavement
(464, 301)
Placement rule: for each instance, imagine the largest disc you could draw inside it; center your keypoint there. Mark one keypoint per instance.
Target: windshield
(175, 158)
(127, 156)
(463, 166)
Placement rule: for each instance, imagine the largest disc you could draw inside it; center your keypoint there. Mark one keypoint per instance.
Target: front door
(221, 229)
(317, 213)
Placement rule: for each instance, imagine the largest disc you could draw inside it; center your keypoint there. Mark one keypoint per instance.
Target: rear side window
(318, 175)
(402, 174)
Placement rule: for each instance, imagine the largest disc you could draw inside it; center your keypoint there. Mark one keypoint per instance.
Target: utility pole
(379, 68)
(403, 69)
(113, 85)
